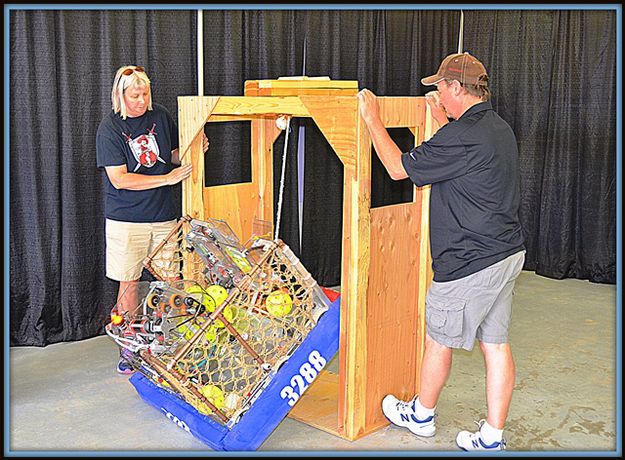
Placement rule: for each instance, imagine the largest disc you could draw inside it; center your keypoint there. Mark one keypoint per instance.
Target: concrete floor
(67, 397)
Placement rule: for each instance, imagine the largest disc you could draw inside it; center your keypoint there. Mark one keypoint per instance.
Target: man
(475, 238)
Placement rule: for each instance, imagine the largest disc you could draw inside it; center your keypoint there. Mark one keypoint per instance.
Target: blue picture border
(521, 6)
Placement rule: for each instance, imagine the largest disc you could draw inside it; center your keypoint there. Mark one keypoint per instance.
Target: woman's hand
(205, 142)
(178, 174)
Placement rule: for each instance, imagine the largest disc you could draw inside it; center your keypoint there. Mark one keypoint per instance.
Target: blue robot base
(272, 405)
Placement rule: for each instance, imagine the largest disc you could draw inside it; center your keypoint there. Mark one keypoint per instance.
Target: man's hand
(433, 99)
(368, 104)
(385, 147)
(438, 110)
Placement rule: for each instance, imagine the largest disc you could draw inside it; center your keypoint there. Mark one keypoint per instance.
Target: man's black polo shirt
(472, 164)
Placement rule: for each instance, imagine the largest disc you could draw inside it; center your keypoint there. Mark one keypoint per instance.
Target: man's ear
(457, 87)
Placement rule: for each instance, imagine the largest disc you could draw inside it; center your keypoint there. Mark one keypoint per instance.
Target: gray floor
(67, 397)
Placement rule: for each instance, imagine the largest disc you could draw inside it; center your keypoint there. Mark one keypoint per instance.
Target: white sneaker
(402, 414)
(473, 441)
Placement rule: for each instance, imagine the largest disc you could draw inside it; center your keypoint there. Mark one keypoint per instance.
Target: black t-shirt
(144, 145)
(472, 164)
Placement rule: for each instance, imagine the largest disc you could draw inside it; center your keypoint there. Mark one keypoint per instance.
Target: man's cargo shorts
(476, 306)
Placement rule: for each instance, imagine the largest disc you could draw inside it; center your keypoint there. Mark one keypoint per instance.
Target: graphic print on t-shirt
(145, 149)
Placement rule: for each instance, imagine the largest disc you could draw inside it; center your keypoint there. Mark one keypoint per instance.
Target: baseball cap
(459, 66)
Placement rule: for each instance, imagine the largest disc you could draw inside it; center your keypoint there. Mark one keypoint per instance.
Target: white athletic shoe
(473, 441)
(402, 413)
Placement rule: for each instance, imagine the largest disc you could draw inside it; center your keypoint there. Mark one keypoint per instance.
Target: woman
(137, 145)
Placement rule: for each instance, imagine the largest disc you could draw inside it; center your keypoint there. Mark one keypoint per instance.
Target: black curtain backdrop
(553, 77)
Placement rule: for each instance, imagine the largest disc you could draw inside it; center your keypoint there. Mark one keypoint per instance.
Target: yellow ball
(189, 329)
(279, 303)
(186, 331)
(242, 324)
(202, 296)
(218, 293)
(215, 395)
(212, 297)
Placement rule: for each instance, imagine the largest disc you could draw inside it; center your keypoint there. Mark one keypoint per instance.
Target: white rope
(461, 32)
(281, 192)
(200, 53)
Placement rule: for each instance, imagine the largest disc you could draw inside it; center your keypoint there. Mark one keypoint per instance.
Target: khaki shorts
(478, 306)
(129, 243)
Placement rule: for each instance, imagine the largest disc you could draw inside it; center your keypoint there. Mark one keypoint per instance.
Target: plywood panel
(264, 134)
(392, 305)
(399, 112)
(234, 203)
(318, 406)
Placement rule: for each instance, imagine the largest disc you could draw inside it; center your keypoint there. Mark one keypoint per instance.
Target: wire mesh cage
(221, 318)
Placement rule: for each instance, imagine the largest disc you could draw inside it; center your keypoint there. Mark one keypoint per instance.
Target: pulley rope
(281, 192)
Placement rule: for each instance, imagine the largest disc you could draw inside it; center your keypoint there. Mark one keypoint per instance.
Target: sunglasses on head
(130, 71)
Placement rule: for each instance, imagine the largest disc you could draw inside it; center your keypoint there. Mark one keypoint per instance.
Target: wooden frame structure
(386, 266)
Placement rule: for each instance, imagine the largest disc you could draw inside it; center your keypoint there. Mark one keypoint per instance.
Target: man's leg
(499, 381)
(499, 386)
(418, 415)
(434, 371)
(492, 335)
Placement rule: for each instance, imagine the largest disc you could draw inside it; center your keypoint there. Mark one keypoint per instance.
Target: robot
(220, 319)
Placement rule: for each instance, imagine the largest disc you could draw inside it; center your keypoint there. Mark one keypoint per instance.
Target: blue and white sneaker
(124, 365)
(402, 413)
(468, 441)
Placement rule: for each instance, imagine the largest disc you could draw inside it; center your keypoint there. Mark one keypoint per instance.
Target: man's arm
(388, 152)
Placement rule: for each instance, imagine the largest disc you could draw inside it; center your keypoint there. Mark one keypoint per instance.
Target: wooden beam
(244, 105)
(301, 86)
(193, 112)
(429, 127)
(354, 281)
(193, 186)
(337, 119)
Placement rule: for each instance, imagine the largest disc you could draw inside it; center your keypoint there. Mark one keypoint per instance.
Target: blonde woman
(137, 146)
